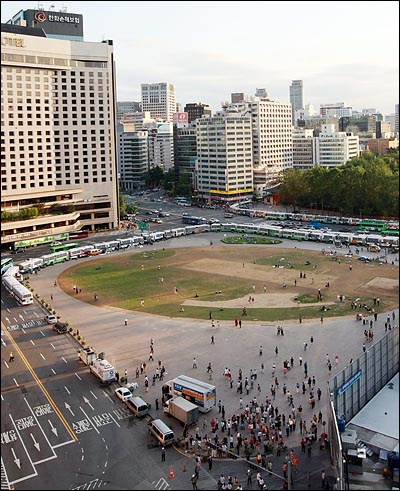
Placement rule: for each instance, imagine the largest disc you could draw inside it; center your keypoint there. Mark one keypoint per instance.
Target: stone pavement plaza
(178, 341)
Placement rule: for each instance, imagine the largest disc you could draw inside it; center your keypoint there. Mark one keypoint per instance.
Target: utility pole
(289, 474)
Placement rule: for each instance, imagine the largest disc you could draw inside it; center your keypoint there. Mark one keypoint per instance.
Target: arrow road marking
(88, 402)
(17, 461)
(67, 406)
(54, 430)
(35, 443)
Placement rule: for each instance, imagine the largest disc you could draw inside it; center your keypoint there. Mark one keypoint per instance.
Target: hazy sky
(343, 51)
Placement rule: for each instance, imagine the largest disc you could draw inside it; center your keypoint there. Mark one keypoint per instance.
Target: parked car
(50, 319)
(55, 243)
(60, 327)
(123, 393)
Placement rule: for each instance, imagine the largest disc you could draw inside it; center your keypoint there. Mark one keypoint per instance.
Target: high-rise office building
(197, 110)
(160, 100)
(296, 97)
(58, 133)
(224, 167)
(125, 107)
(335, 110)
(185, 151)
(133, 156)
(271, 137)
(332, 148)
(302, 148)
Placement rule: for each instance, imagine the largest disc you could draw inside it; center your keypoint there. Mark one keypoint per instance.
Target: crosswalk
(4, 480)
(161, 484)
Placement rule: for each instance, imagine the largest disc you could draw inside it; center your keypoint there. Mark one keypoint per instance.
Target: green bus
(22, 244)
(64, 247)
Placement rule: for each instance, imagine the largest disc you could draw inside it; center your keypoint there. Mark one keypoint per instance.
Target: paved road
(177, 341)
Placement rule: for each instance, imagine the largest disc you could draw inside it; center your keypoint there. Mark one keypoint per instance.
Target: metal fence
(352, 388)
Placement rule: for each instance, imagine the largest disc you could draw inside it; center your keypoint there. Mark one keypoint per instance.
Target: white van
(162, 432)
(138, 406)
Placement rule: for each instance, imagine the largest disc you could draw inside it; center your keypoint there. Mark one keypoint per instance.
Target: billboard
(56, 23)
(181, 118)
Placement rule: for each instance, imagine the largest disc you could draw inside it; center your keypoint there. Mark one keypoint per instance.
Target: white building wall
(58, 119)
(224, 167)
(333, 148)
(160, 100)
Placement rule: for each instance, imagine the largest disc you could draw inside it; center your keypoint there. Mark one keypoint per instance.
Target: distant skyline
(343, 51)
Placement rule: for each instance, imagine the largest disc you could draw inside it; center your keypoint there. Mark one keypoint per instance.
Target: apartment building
(224, 167)
(58, 133)
(332, 148)
(160, 100)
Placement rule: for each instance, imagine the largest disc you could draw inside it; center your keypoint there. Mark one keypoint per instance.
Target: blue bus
(6, 264)
(191, 220)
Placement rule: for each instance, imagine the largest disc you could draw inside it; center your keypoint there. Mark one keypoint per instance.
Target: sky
(343, 51)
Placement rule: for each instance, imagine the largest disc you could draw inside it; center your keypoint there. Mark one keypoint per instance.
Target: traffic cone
(184, 467)
(171, 473)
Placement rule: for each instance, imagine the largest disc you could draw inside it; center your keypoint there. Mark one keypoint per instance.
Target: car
(123, 393)
(349, 254)
(365, 259)
(60, 327)
(50, 319)
(93, 252)
(56, 243)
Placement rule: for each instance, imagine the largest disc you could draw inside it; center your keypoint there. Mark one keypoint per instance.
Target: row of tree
(365, 186)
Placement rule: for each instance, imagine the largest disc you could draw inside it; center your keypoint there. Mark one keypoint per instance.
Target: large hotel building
(58, 153)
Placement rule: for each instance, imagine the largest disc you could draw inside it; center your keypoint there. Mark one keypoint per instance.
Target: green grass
(125, 280)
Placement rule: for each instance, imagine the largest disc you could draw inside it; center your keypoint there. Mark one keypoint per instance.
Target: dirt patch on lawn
(261, 300)
(383, 283)
(256, 272)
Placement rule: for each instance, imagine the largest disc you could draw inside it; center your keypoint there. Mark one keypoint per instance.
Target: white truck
(182, 409)
(200, 393)
(98, 365)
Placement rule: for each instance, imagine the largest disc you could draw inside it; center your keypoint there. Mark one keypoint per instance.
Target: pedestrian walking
(126, 375)
(323, 479)
(260, 352)
(11, 357)
(249, 479)
(126, 322)
(162, 454)
(194, 363)
(212, 340)
(210, 462)
(156, 404)
(194, 481)
(276, 350)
